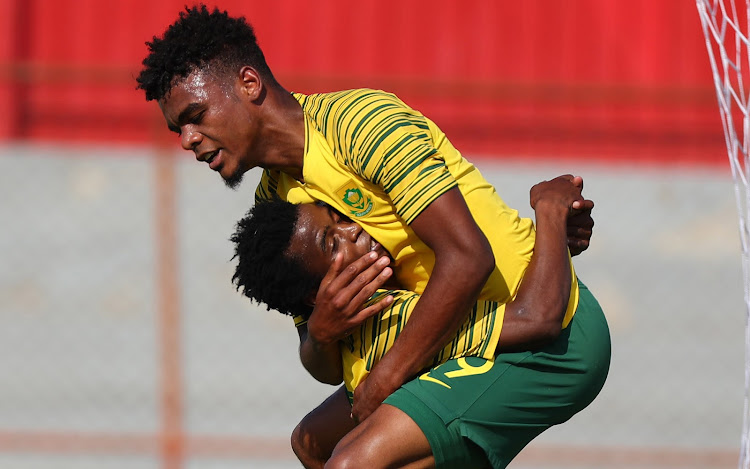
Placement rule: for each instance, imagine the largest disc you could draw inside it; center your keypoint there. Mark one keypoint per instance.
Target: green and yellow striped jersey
(378, 161)
(361, 351)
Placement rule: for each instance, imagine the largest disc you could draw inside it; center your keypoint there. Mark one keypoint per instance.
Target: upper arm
(447, 227)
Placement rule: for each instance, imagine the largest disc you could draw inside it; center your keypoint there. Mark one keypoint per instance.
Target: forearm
(322, 361)
(463, 263)
(436, 317)
(535, 315)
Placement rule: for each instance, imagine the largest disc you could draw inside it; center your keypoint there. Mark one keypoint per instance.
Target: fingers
(362, 272)
(373, 309)
(343, 275)
(364, 286)
(579, 231)
(565, 190)
(349, 287)
(333, 271)
(581, 220)
(577, 181)
(577, 246)
(582, 206)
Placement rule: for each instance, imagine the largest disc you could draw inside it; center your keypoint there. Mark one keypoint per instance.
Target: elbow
(333, 381)
(331, 377)
(325, 374)
(549, 326)
(484, 260)
(471, 264)
(549, 332)
(543, 334)
(525, 329)
(488, 263)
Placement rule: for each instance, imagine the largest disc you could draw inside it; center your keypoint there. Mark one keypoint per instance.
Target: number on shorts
(465, 370)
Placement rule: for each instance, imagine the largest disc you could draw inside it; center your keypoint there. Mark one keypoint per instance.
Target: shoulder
(346, 100)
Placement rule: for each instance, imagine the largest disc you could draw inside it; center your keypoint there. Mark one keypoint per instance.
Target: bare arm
(321, 360)
(535, 315)
(580, 224)
(533, 318)
(463, 262)
(337, 311)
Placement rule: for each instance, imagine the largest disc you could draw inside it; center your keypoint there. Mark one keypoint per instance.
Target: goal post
(726, 32)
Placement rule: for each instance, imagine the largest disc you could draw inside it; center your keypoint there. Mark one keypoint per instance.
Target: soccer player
(457, 411)
(367, 154)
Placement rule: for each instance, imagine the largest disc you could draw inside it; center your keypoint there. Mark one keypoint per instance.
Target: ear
(251, 82)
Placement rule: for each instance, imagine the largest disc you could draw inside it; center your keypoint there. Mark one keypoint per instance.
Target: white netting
(726, 35)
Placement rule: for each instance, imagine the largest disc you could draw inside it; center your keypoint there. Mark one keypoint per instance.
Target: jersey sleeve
(388, 143)
(299, 321)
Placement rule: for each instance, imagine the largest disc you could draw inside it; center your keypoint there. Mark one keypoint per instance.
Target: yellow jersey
(379, 162)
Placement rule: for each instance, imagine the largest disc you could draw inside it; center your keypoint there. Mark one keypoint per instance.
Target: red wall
(600, 78)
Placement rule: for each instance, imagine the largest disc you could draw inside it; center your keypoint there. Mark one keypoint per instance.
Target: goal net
(726, 32)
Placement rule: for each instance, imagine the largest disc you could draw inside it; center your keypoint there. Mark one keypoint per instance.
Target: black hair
(265, 272)
(197, 38)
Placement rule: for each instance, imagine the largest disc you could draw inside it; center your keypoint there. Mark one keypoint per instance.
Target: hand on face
(343, 292)
(352, 264)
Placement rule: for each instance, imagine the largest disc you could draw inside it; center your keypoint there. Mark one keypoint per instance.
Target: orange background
(610, 80)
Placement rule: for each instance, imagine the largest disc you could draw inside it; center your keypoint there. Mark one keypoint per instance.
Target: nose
(347, 230)
(190, 138)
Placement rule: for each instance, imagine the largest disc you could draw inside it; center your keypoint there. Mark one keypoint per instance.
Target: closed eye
(196, 119)
(335, 246)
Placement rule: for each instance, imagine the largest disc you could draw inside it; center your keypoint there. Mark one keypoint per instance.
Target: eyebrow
(184, 115)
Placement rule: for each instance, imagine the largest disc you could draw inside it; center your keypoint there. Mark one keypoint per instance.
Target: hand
(580, 228)
(563, 191)
(579, 222)
(343, 291)
(367, 398)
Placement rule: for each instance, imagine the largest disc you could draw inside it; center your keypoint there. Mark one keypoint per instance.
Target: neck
(285, 132)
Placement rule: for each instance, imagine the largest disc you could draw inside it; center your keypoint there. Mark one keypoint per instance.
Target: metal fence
(124, 344)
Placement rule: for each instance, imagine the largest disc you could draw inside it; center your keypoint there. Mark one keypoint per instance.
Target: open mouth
(210, 157)
(378, 248)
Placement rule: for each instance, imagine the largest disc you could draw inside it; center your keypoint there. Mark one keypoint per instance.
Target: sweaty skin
(532, 319)
(240, 120)
(236, 116)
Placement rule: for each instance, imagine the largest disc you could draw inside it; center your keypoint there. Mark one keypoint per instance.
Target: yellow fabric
(381, 163)
(477, 336)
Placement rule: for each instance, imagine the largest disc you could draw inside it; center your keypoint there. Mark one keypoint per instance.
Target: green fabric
(501, 409)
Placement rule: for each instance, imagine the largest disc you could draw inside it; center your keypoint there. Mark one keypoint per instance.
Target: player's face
(321, 233)
(214, 122)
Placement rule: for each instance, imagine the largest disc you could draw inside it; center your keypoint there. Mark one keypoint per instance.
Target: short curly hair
(199, 37)
(265, 272)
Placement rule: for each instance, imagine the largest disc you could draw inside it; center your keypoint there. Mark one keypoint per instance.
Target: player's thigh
(388, 438)
(320, 431)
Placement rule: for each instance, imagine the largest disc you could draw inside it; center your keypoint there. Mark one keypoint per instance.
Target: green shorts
(473, 410)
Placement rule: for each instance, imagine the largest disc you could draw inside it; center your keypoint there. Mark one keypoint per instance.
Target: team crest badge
(360, 204)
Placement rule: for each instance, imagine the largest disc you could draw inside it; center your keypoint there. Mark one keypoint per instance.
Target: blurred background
(123, 343)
